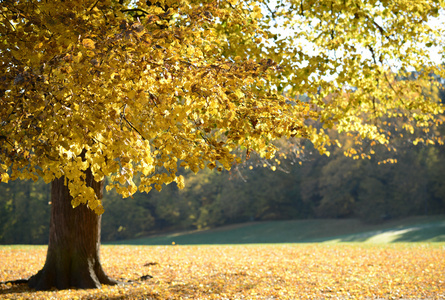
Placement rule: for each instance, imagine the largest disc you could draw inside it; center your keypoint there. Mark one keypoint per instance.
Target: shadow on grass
(434, 234)
(410, 234)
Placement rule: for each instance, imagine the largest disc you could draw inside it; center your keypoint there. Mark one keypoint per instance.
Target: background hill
(414, 229)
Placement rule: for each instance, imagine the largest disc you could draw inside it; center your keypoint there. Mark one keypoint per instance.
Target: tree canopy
(138, 87)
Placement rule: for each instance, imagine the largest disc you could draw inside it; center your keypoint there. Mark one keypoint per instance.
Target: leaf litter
(275, 271)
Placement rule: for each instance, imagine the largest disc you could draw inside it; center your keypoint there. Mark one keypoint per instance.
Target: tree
(94, 88)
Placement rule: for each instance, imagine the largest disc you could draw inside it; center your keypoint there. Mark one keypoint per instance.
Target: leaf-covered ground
(293, 271)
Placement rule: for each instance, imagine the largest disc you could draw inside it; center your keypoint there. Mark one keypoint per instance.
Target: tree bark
(72, 260)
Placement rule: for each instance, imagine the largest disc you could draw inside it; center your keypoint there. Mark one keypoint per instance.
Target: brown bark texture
(72, 260)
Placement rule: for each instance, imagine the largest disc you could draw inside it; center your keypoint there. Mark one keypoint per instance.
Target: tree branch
(135, 9)
(94, 5)
(129, 123)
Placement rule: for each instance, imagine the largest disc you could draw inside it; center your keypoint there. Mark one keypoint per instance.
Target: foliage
(374, 194)
(250, 272)
(127, 87)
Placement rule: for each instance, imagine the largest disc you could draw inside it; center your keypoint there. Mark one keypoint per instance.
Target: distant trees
(24, 212)
(335, 187)
(375, 193)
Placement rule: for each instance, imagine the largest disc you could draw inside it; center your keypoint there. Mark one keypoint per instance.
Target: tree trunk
(72, 260)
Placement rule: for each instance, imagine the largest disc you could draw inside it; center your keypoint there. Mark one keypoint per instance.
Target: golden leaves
(4, 177)
(314, 271)
(180, 181)
(88, 44)
(146, 89)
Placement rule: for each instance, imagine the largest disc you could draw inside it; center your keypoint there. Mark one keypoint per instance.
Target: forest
(299, 184)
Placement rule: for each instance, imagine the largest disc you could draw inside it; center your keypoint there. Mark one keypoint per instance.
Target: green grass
(414, 229)
(22, 247)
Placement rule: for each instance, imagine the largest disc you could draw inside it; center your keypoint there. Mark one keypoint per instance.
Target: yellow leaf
(92, 204)
(75, 202)
(99, 209)
(4, 177)
(88, 43)
(239, 93)
(131, 94)
(180, 181)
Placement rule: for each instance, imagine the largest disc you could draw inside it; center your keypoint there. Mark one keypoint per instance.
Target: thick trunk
(72, 260)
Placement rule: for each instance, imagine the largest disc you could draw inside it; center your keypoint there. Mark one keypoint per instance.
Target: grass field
(267, 271)
(414, 229)
(370, 267)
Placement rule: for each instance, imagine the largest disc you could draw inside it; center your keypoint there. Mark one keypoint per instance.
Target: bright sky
(435, 52)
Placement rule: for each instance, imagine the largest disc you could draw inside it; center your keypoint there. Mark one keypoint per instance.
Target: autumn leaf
(250, 272)
(88, 43)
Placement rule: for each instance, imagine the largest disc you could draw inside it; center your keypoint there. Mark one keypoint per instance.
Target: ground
(274, 271)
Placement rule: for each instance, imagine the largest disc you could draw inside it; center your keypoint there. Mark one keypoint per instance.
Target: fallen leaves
(280, 271)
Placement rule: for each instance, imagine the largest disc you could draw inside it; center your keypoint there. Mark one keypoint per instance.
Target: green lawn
(414, 229)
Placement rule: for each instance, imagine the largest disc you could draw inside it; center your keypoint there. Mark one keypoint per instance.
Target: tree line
(319, 187)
